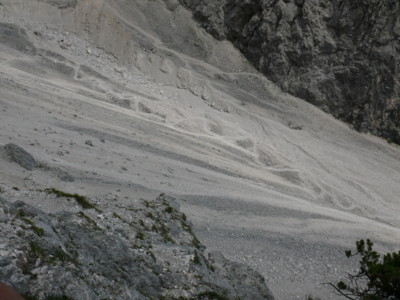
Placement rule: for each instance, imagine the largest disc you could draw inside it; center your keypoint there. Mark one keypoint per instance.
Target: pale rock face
(20, 156)
(116, 254)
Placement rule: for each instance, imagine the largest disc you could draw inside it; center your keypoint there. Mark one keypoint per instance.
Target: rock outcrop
(18, 155)
(341, 55)
(139, 250)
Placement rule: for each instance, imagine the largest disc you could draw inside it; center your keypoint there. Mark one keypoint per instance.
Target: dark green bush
(377, 279)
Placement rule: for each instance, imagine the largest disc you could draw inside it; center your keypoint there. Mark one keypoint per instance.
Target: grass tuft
(82, 200)
(169, 209)
(38, 230)
(140, 235)
(88, 220)
(37, 250)
(196, 259)
(60, 255)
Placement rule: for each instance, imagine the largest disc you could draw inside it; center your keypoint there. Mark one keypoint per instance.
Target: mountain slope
(342, 56)
(130, 99)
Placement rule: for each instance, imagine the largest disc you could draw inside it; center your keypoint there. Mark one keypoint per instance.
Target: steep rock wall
(341, 55)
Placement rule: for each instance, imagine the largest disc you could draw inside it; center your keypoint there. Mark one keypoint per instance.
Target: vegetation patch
(27, 262)
(117, 216)
(140, 235)
(195, 241)
(196, 259)
(164, 231)
(36, 250)
(169, 209)
(82, 200)
(184, 218)
(38, 230)
(89, 220)
(148, 204)
(377, 279)
(149, 215)
(60, 256)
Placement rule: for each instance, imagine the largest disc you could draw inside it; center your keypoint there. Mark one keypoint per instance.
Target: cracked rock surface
(140, 250)
(343, 56)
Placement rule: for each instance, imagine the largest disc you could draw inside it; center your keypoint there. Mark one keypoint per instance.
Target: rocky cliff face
(341, 55)
(106, 249)
(142, 250)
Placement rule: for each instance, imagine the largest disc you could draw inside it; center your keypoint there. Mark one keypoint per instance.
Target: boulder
(18, 155)
(142, 250)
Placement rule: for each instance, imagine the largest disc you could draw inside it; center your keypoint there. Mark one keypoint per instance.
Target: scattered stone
(16, 37)
(143, 108)
(64, 44)
(118, 70)
(64, 4)
(89, 143)
(295, 126)
(65, 176)
(342, 56)
(167, 66)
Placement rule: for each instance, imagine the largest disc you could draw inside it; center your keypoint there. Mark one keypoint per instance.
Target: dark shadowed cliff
(341, 55)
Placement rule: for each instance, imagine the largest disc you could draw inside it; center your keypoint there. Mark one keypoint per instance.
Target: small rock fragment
(295, 126)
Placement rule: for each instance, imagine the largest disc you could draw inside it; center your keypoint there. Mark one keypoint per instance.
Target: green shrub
(377, 279)
(140, 235)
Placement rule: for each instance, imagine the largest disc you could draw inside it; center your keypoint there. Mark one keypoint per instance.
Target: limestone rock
(142, 250)
(18, 155)
(343, 56)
